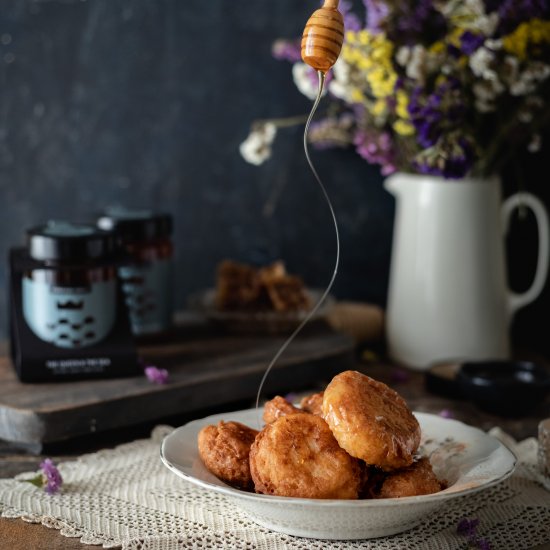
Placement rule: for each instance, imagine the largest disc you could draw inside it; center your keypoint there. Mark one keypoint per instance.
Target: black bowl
(506, 388)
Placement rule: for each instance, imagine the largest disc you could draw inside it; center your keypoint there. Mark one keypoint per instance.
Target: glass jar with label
(147, 275)
(69, 295)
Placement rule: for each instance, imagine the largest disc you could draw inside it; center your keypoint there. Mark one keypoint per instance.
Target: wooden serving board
(206, 368)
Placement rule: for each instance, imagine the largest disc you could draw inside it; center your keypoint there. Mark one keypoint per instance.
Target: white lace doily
(126, 497)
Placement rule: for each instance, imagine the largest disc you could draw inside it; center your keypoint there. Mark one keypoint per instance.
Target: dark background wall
(144, 103)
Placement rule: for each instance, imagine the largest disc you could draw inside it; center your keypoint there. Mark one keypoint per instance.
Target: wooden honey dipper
(323, 37)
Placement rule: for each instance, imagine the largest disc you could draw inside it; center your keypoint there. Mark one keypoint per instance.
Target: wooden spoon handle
(323, 37)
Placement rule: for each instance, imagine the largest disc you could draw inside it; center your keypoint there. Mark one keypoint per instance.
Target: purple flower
(413, 20)
(351, 21)
(433, 113)
(156, 375)
(513, 12)
(377, 12)
(467, 527)
(470, 42)
(377, 149)
(451, 157)
(52, 477)
(446, 413)
(449, 167)
(332, 132)
(49, 479)
(287, 50)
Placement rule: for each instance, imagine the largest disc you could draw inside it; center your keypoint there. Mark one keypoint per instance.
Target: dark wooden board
(206, 369)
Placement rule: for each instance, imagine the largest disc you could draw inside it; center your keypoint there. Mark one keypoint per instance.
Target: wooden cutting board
(207, 369)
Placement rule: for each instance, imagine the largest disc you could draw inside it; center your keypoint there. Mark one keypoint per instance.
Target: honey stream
(313, 311)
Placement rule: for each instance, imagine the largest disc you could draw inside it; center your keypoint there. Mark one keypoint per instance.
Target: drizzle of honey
(326, 292)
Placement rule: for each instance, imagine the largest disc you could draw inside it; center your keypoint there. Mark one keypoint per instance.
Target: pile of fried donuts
(357, 439)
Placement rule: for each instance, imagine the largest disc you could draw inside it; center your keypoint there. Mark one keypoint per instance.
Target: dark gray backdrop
(143, 103)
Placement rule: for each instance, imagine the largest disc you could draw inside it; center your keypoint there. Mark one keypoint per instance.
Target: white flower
(530, 78)
(534, 144)
(525, 117)
(480, 63)
(256, 148)
(339, 85)
(403, 55)
(493, 44)
(416, 66)
(414, 60)
(486, 92)
(486, 24)
(301, 73)
(471, 15)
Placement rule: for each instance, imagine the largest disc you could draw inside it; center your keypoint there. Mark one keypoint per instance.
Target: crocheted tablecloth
(126, 497)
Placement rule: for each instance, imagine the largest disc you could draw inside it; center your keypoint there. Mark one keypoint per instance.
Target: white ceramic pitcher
(448, 294)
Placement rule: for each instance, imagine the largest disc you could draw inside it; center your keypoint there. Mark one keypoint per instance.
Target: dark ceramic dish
(506, 388)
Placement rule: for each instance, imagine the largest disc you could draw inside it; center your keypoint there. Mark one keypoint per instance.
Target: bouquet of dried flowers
(444, 87)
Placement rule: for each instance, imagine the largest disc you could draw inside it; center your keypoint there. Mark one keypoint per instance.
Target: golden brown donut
(224, 449)
(297, 456)
(313, 403)
(371, 421)
(418, 479)
(277, 407)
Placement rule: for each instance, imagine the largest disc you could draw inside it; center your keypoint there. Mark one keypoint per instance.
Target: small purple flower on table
(399, 376)
(51, 475)
(467, 527)
(48, 479)
(446, 413)
(483, 544)
(156, 375)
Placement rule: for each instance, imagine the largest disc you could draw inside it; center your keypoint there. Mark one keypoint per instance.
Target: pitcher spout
(396, 183)
(391, 184)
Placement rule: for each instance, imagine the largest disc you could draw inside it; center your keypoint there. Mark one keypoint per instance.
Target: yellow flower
(378, 107)
(357, 96)
(437, 47)
(372, 56)
(351, 37)
(382, 81)
(403, 127)
(453, 37)
(440, 80)
(534, 32)
(402, 104)
(364, 37)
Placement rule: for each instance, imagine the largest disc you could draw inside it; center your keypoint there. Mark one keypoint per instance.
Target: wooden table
(18, 535)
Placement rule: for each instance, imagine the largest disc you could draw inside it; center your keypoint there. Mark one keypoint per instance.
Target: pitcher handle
(519, 300)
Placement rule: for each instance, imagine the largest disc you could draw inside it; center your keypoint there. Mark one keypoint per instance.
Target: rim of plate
(441, 495)
(203, 302)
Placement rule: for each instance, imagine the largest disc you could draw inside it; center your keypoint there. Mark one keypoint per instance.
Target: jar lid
(136, 225)
(69, 242)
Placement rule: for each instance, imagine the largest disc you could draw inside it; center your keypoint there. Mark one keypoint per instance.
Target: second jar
(146, 276)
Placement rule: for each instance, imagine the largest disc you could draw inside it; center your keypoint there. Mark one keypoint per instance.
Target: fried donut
(277, 407)
(297, 456)
(224, 449)
(313, 403)
(371, 421)
(418, 479)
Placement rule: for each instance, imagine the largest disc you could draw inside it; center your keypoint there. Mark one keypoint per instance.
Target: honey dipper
(323, 37)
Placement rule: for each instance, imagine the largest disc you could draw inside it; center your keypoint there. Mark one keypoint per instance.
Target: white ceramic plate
(469, 459)
(256, 322)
